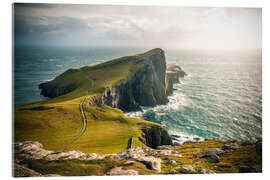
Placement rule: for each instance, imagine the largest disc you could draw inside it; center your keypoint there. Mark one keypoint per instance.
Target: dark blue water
(220, 98)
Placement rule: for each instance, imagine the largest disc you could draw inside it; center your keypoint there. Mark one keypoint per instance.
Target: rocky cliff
(145, 87)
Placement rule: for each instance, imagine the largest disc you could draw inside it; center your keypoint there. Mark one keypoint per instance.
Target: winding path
(83, 118)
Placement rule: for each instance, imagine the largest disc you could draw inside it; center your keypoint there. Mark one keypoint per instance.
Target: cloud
(183, 27)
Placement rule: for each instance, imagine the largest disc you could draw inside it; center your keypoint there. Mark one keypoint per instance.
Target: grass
(54, 122)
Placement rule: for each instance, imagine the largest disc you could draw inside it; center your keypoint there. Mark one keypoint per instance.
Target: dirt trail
(83, 118)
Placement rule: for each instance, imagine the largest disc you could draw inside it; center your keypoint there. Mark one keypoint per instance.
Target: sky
(154, 26)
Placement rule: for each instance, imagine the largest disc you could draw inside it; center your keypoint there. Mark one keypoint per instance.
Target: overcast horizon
(142, 26)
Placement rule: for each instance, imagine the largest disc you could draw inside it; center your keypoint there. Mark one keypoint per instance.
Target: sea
(221, 97)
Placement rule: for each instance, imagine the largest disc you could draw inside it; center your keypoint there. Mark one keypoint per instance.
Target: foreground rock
(213, 151)
(187, 169)
(230, 147)
(21, 171)
(30, 150)
(119, 171)
(212, 158)
(206, 171)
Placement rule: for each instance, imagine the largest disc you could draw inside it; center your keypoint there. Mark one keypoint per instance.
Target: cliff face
(145, 87)
(156, 136)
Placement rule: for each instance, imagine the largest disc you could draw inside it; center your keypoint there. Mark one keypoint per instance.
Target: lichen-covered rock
(29, 150)
(119, 171)
(209, 152)
(230, 147)
(175, 170)
(206, 171)
(212, 158)
(166, 152)
(21, 171)
(129, 163)
(187, 169)
(65, 155)
(139, 154)
(151, 162)
(169, 162)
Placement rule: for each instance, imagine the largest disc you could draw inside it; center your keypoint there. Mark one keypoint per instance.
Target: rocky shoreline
(181, 159)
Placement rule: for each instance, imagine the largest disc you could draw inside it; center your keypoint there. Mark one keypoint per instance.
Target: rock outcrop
(173, 73)
(31, 150)
(156, 136)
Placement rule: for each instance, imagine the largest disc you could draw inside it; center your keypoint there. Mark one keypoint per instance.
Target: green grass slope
(54, 122)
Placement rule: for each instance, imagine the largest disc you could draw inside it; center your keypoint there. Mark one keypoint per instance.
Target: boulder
(129, 163)
(167, 153)
(151, 162)
(230, 147)
(169, 162)
(21, 171)
(212, 151)
(212, 158)
(29, 150)
(119, 171)
(174, 170)
(187, 169)
(206, 171)
(64, 155)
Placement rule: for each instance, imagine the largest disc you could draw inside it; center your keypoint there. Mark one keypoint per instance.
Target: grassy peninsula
(55, 121)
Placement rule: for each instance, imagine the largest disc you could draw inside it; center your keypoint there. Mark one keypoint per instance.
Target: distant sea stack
(173, 73)
(148, 84)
